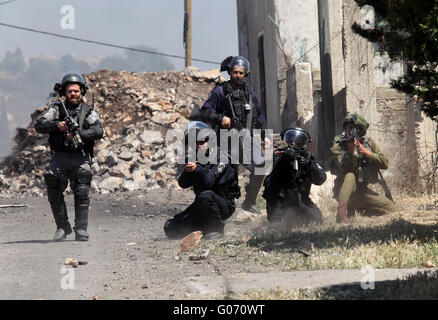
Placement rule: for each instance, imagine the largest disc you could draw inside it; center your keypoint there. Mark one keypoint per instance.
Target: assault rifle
(235, 122)
(295, 165)
(73, 127)
(385, 187)
(347, 137)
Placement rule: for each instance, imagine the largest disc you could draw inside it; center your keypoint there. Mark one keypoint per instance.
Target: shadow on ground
(422, 285)
(45, 241)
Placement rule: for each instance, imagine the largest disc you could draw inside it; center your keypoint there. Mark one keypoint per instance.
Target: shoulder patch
(53, 113)
(93, 116)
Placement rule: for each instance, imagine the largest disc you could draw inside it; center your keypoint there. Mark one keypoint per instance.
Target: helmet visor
(201, 131)
(296, 138)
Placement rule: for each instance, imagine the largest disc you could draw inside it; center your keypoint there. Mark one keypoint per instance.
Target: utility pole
(188, 31)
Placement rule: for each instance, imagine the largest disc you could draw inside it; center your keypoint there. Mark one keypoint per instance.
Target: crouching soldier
(72, 127)
(287, 187)
(356, 160)
(215, 186)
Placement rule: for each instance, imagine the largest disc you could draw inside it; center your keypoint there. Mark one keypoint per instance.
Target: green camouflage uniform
(354, 173)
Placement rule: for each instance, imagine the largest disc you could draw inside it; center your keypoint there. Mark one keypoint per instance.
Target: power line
(103, 43)
(5, 2)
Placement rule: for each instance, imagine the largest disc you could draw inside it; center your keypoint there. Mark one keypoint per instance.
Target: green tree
(13, 62)
(407, 30)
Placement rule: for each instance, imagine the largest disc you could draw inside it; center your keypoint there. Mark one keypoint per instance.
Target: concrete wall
(385, 70)
(427, 150)
(298, 30)
(393, 131)
(360, 81)
(253, 23)
(408, 138)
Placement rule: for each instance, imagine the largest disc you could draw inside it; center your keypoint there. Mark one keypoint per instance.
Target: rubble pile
(137, 109)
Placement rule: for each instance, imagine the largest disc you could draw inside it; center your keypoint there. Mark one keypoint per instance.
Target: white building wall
(298, 30)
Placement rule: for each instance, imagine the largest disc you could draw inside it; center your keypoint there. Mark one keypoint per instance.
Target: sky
(154, 23)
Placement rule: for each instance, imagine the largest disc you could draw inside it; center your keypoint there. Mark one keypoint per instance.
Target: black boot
(81, 221)
(59, 211)
(252, 190)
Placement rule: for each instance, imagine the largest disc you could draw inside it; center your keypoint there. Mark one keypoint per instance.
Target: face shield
(297, 138)
(199, 141)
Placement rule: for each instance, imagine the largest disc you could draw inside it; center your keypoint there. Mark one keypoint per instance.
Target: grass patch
(397, 244)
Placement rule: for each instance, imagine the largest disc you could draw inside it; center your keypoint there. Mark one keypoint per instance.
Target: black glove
(304, 160)
(304, 163)
(290, 153)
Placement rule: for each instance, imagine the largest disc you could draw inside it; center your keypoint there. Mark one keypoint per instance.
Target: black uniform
(215, 187)
(287, 189)
(217, 106)
(69, 164)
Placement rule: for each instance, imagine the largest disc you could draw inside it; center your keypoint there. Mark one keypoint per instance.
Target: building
(309, 69)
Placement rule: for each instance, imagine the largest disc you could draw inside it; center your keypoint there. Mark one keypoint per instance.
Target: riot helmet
(359, 122)
(296, 137)
(199, 129)
(71, 77)
(196, 134)
(229, 63)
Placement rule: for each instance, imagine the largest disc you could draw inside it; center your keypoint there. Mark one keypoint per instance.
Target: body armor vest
(244, 109)
(366, 172)
(57, 138)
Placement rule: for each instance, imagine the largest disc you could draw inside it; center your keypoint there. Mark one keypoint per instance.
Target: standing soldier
(356, 161)
(71, 139)
(233, 104)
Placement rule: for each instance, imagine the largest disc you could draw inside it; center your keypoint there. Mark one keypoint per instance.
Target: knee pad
(82, 176)
(81, 183)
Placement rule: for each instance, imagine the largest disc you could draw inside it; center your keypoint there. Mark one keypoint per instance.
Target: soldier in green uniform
(356, 161)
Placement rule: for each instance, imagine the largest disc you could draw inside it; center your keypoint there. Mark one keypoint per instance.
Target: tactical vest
(227, 188)
(57, 138)
(243, 107)
(366, 172)
(370, 172)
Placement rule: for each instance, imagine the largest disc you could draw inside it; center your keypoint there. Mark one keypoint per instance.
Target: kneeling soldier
(356, 162)
(287, 187)
(215, 186)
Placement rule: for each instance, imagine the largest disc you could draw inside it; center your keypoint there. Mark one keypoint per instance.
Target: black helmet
(296, 137)
(71, 77)
(229, 63)
(201, 130)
